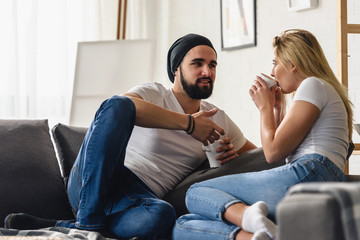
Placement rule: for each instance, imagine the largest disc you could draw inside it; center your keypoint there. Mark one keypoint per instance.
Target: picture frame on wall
(238, 24)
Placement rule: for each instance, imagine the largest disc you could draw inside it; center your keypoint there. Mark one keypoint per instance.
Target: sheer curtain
(141, 17)
(38, 51)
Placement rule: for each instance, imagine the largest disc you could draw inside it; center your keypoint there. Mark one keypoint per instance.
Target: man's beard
(194, 91)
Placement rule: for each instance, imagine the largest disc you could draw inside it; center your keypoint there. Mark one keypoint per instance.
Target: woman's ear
(293, 68)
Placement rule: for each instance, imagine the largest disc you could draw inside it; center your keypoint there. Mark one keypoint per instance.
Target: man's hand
(206, 130)
(228, 149)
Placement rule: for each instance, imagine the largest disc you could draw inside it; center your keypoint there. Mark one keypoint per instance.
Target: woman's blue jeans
(208, 200)
(104, 193)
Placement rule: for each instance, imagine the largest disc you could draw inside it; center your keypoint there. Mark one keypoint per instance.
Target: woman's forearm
(268, 128)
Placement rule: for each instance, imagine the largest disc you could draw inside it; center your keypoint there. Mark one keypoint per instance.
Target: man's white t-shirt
(329, 136)
(162, 158)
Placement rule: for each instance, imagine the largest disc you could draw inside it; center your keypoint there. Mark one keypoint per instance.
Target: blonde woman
(313, 137)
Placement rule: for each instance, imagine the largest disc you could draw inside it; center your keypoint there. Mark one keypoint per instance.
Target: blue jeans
(104, 193)
(208, 200)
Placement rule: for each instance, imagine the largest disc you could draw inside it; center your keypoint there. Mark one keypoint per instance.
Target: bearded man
(142, 143)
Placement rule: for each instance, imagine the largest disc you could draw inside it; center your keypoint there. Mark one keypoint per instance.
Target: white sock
(254, 211)
(260, 235)
(255, 220)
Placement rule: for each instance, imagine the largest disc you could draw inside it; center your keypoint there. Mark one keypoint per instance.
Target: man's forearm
(152, 116)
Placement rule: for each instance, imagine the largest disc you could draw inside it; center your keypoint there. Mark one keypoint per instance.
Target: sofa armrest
(310, 216)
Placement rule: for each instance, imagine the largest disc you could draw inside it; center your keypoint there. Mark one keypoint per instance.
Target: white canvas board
(107, 68)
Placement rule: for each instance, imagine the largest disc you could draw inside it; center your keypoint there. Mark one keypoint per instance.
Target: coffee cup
(211, 154)
(270, 82)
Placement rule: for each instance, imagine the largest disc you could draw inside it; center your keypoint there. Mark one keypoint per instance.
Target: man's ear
(177, 71)
(177, 77)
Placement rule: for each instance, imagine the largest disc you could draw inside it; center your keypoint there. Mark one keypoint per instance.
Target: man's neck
(188, 104)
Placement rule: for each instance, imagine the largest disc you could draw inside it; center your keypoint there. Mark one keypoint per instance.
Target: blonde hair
(301, 48)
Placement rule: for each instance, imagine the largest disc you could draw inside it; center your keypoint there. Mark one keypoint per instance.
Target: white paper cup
(211, 154)
(270, 82)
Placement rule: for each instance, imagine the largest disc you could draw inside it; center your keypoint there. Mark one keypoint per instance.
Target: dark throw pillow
(30, 179)
(68, 140)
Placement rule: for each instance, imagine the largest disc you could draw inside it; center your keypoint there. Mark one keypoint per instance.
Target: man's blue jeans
(207, 201)
(104, 193)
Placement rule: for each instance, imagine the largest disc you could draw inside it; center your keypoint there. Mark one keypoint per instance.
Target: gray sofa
(35, 163)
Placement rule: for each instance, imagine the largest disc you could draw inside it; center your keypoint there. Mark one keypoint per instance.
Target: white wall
(237, 68)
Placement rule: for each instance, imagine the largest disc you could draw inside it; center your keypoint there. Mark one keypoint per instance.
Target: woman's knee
(183, 225)
(194, 226)
(193, 188)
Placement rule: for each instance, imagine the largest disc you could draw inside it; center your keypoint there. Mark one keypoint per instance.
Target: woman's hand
(228, 151)
(261, 95)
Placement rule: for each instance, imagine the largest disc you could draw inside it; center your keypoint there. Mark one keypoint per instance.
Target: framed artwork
(238, 24)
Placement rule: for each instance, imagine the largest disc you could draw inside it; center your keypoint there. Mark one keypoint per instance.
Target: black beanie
(180, 48)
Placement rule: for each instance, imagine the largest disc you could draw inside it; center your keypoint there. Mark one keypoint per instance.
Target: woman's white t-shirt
(162, 158)
(329, 136)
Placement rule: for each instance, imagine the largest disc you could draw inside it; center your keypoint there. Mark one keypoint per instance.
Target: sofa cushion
(68, 140)
(30, 179)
